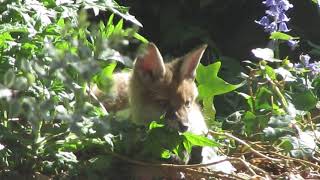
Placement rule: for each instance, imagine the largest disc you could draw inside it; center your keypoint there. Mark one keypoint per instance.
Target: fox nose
(182, 127)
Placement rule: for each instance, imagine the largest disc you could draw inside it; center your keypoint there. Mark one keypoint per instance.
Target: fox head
(168, 89)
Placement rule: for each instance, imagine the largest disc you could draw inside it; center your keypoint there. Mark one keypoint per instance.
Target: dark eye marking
(187, 104)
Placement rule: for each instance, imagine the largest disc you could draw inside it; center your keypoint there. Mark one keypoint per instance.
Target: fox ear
(190, 63)
(150, 62)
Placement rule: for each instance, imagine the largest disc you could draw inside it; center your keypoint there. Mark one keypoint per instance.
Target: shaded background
(227, 26)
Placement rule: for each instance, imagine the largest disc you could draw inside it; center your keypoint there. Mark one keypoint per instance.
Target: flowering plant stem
(276, 49)
(277, 91)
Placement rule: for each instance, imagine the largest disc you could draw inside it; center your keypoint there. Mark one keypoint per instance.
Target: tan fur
(152, 98)
(118, 97)
(155, 88)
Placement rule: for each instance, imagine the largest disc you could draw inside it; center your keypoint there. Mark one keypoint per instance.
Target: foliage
(50, 124)
(49, 54)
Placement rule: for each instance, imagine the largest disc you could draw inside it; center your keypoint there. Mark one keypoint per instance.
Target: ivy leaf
(263, 99)
(197, 140)
(304, 100)
(209, 82)
(209, 110)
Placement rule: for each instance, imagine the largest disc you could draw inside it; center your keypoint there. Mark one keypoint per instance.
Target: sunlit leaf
(197, 140)
(281, 36)
(209, 82)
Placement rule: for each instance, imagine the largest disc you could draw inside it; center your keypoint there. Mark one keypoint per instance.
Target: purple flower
(314, 68)
(276, 12)
(264, 21)
(283, 27)
(276, 18)
(293, 43)
(273, 11)
(269, 3)
(283, 17)
(272, 27)
(305, 64)
(285, 5)
(305, 59)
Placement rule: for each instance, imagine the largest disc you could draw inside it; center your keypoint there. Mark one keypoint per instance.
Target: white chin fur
(197, 123)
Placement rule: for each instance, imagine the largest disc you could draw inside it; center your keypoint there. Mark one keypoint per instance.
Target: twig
(141, 163)
(248, 167)
(246, 144)
(298, 160)
(216, 174)
(315, 118)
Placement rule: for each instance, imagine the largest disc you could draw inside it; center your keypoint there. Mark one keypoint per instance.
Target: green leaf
(197, 140)
(209, 110)
(305, 100)
(249, 99)
(141, 38)
(270, 72)
(154, 125)
(9, 78)
(187, 145)
(263, 99)
(209, 82)
(250, 122)
(110, 20)
(118, 27)
(286, 144)
(104, 78)
(7, 27)
(165, 154)
(281, 36)
(315, 1)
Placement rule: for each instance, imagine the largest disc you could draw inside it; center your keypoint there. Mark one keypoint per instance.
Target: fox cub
(154, 89)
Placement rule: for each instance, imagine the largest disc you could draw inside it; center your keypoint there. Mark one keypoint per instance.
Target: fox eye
(188, 103)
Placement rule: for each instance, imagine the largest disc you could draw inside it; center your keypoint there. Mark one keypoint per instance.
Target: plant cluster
(51, 126)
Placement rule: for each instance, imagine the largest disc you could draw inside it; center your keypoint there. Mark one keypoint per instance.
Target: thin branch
(246, 144)
(89, 91)
(298, 160)
(141, 163)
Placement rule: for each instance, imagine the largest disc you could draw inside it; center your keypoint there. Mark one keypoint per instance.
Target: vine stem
(283, 100)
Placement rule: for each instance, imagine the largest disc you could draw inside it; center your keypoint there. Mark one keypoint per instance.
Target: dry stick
(310, 120)
(164, 165)
(246, 144)
(248, 167)
(315, 118)
(216, 174)
(298, 160)
(188, 167)
(141, 163)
